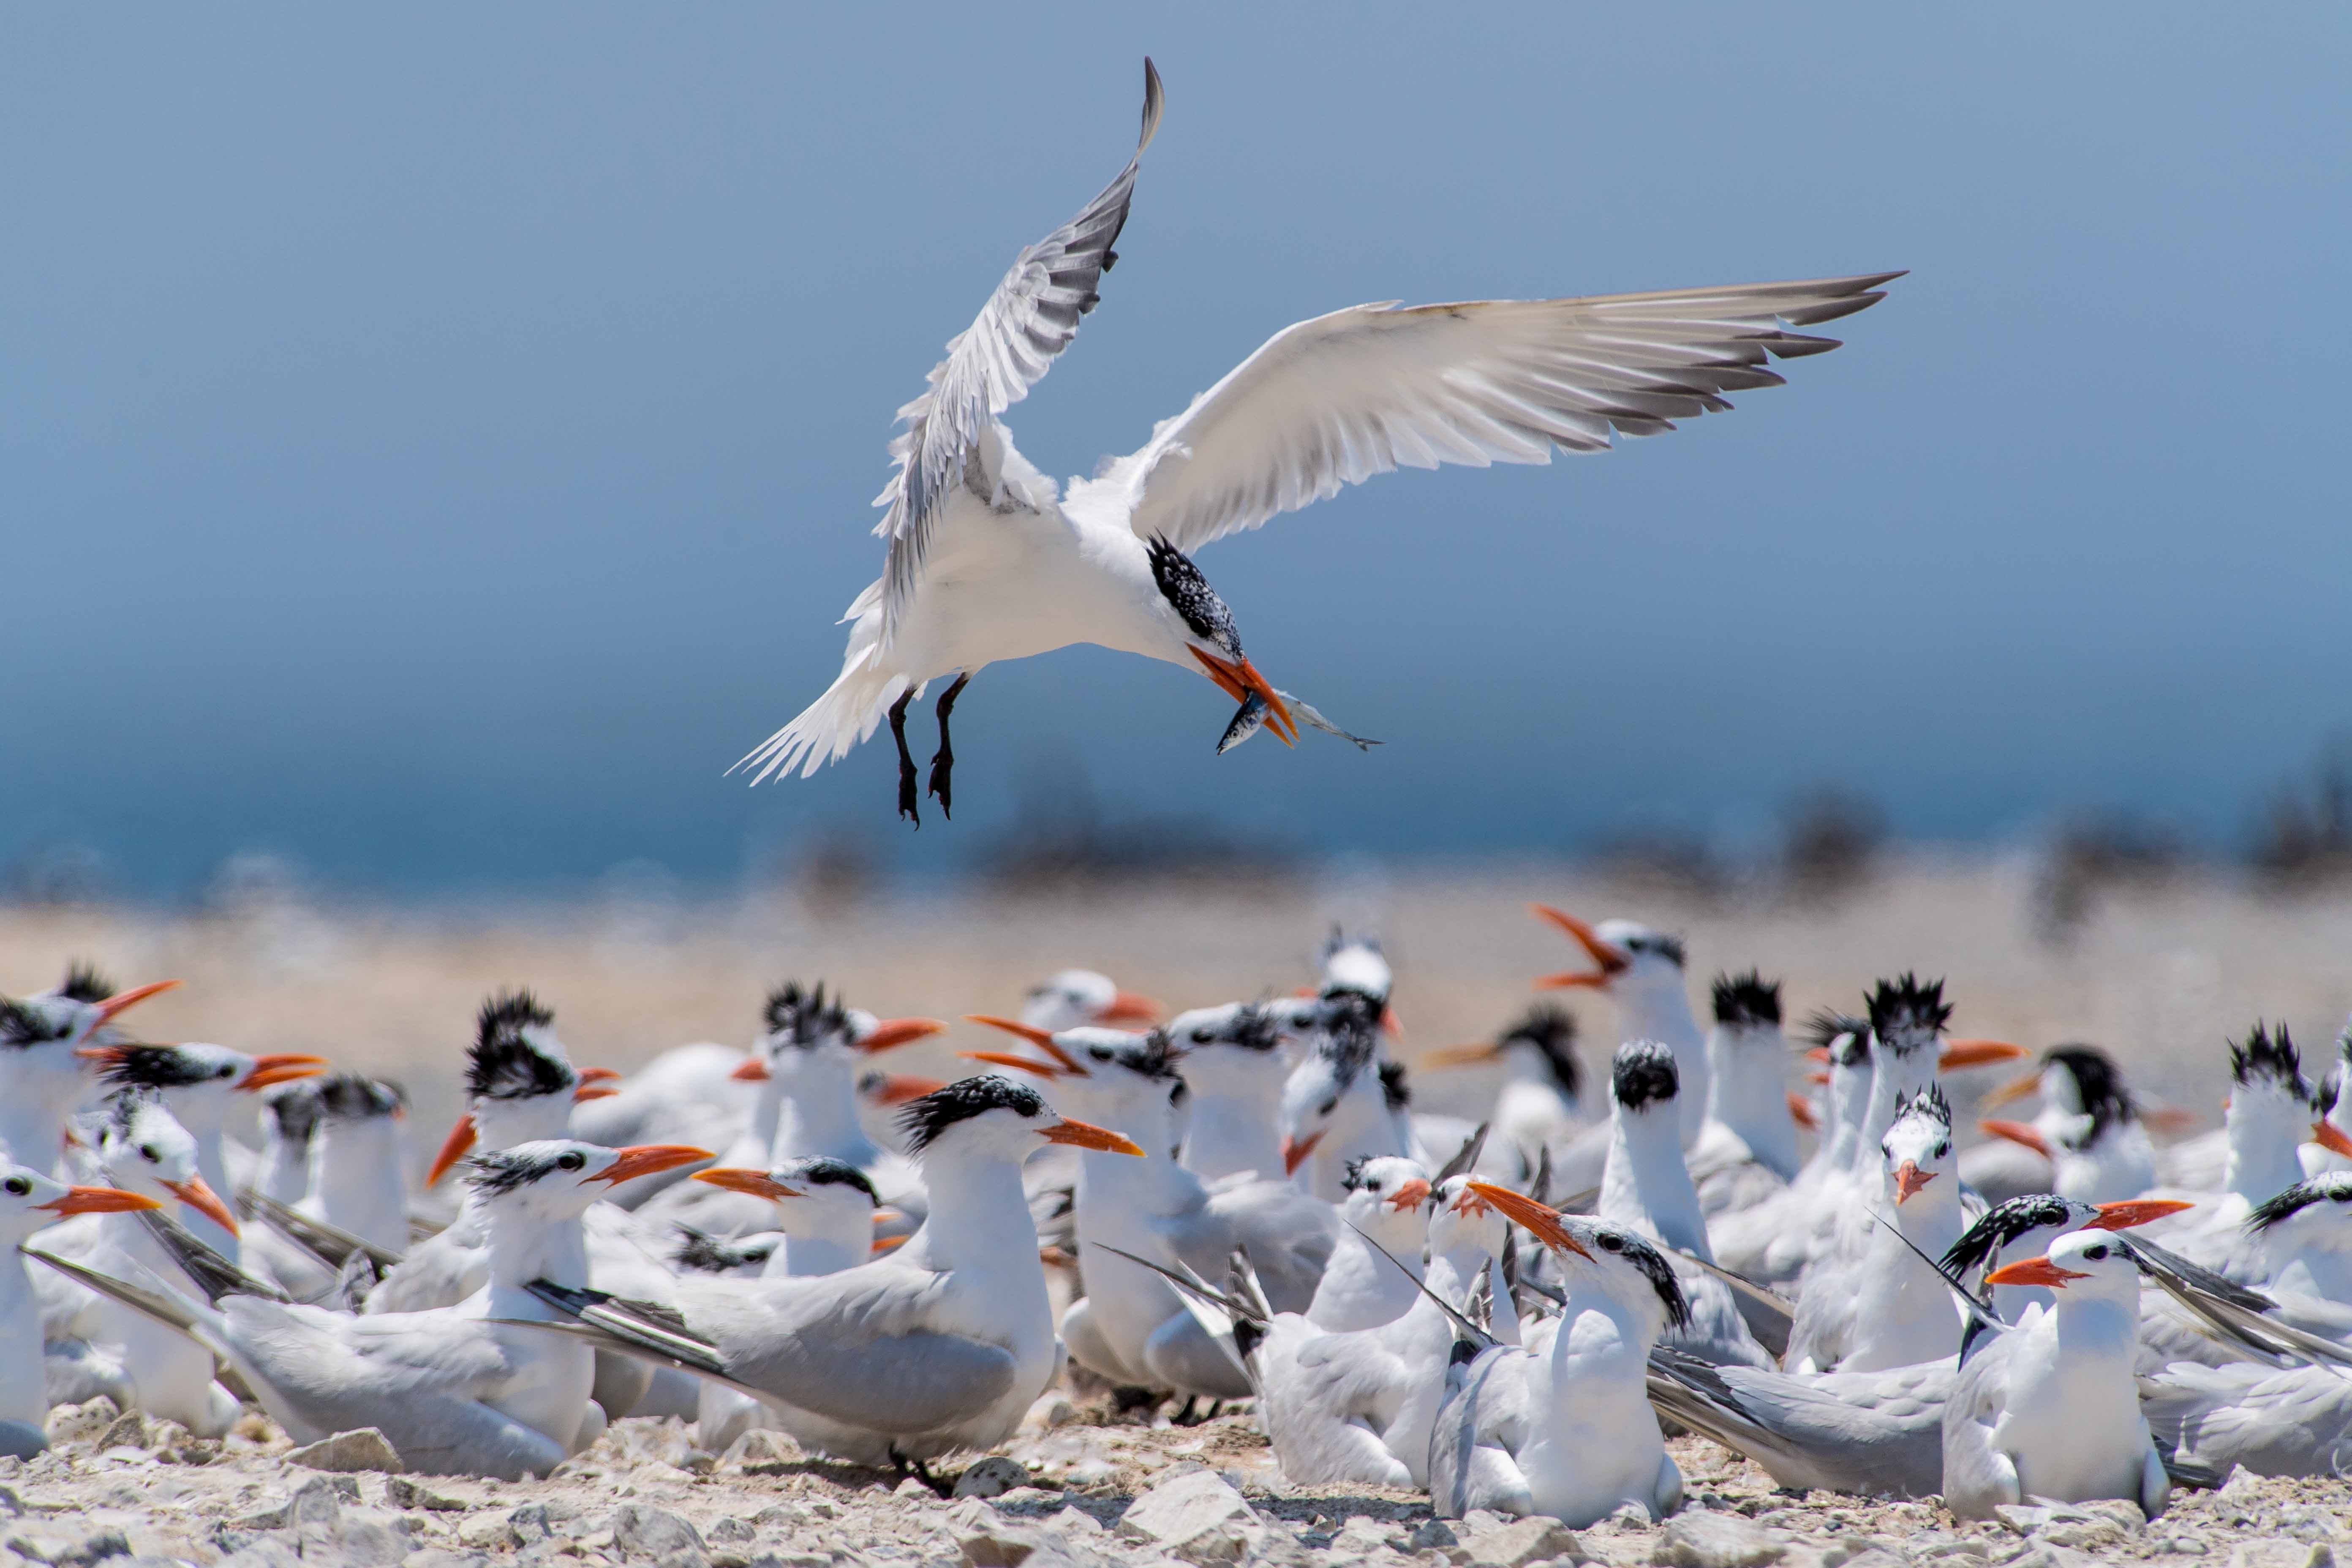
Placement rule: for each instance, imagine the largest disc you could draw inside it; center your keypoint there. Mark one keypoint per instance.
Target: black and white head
(1917, 1148)
(515, 1053)
(30, 1200)
(144, 1149)
(1908, 1014)
(1102, 1073)
(351, 1097)
(76, 1011)
(1198, 620)
(290, 1112)
(1388, 1197)
(1233, 1048)
(1460, 1218)
(1547, 1035)
(2315, 1215)
(201, 1081)
(1845, 1039)
(558, 1178)
(2266, 1063)
(1076, 998)
(2082, 1266)
(1626, 954)
(1355, 965)
(1344, 1055)
(2022, 1227)
(991, 1116)
(699, 1252)
(1748, 1004)
(1644, 1079)
(813, 1197)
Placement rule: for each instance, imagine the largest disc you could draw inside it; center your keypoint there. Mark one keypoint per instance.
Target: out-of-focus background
(433, 447)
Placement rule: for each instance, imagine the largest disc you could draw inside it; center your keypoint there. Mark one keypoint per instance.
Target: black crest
(1644, 1072)
(1394, 1090)
(1928, 1102)
(1154, 1057)
(804, 1017)
(2100, 1084)
(1347, 1044)
(497, 1171)
(826, 1171)
(355, 1096)
(2265, 1055)
(85, 984)
(1189, 595)
(2334, 1186)
(1251, 1027)
(1747, 1001)
(22, 1024)
(124, 1105)
(1843, 1036)
(1637, 1250)
(700, 1252)
(924, 1120)
(154, 1067)
(1552, 1031)
(1908, 1013)
(294, 1107)
(2004, 1223)
(502, 1065)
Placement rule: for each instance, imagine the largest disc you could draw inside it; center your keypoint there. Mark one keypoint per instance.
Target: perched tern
(2024, 1227)
(1642, 969)
(1384, 1214)
(988, 560)
(1771, 1240)
(1747, 1149)
(1541, 1103)
(2086, 1142)
(1230, 1058)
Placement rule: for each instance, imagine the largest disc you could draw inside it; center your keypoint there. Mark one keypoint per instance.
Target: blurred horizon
(434, 447)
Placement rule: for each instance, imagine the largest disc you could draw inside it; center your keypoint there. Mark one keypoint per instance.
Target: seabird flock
(1238, 1202)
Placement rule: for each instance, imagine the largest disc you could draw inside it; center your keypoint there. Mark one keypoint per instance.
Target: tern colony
(1239, 1203)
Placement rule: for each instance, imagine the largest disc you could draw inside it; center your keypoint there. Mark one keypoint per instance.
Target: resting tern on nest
(989, 559)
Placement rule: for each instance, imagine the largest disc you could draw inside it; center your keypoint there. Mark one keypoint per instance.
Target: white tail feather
(847, 712)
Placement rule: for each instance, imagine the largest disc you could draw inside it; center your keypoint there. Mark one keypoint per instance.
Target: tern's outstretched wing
(1374, 388)
(992, 364)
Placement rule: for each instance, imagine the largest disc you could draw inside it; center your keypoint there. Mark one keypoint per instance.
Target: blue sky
(434, 446)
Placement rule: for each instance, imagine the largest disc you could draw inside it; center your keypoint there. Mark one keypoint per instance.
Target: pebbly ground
(1080, 1484)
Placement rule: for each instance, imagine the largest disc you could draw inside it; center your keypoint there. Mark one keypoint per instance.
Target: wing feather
(1333, 401)
(992, 364)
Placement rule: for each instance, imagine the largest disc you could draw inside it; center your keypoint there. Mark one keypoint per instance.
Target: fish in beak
(198, 1194)
(2130, 1212)
(1908, 1179)
(1613, 960)
(753, 1183)
(647, 1160)
(97, 1200)
(1238, 678)
(1960, 1054)
(1541, 1221)
(2034, 1272)
(1041, 1038)
(892, 1033)
(2021, 1133)
(280, 1067)
(1294, 1152)
(1087, 1135)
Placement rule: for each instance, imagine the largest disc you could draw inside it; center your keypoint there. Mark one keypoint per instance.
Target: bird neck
(1645, 1182)
(1893, 1076)
(1849, 1109)
(758, 1140)
(1154, 1185)
(525, 1118)
(1603, 1339)
(1654, 1006)
(1748, 1093)
(1230, 1128)
(525, 1246)
(1360, 1129)
(801, 1255)
(2266, 1127)
(817, 1115)
(979, 1219)
(355, 1178)
(286, 1168)
(22, 1396)
(40, 1094)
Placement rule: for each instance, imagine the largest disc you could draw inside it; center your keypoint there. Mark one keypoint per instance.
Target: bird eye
(572, 1161)
(224, 1071)
(19, 1187)
(1200, 1036)
(1099, 1053)
(147, 1153)
(2095, 1253)
(1327, 1107)
(1942, 1150)
(1612, 1244)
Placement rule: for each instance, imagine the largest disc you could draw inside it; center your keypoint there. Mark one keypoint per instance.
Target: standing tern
(2052, 1408)
(1541, 1103)
(989, 561)
(2088, 1141)
(1746, 1147)
(28, 1201)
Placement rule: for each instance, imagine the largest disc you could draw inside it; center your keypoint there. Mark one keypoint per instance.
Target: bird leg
(943, 760)
(1190, 1415)
(906, 1467)
(906, 759)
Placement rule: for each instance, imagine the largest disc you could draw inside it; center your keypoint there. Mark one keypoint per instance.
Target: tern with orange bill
(29, 1202)
(43, 1079)
(1542, 1104)
(1230, 1058)
(1337, 1104)
(1771, 1240)
(2088, 1141)
(989, 559)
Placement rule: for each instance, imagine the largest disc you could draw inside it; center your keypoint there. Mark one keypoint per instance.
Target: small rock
(364, 1449)
(2276, 1551)
(401, 1493)
(1198, 1518)
(485, 1532)
(437, 1557)
(1535, 1539)
(642, 1531)
(987, 1540)
(128, 1429)
(761, 1452)
(2022, 1518)
(992, 1477)
(262, 1552)
(530, 1524)
(911, 1488)
(1696, 1540)
(79, 1423)
(1431, 1535)
(730, 1529)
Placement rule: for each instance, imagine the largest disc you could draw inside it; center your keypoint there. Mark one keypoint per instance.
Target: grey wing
(858, 1347)
(992, 364)
(1875, 1434)
(2292, 1423)
(1287, 1233)
(1977, 1476)
(1489, 1403)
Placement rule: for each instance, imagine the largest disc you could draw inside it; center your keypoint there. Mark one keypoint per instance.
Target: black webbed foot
(940, 785)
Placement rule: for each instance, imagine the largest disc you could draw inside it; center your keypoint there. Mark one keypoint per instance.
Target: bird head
(144, 1149)
(1205, 627)
(1076, 998)
(558, 1178)
(991, 1116)
(1624, 953)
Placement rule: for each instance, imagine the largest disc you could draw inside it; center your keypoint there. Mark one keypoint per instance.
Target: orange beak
(891, 1033)
(1819, 1054)
(2167, 1119)
(1411, 1195)
(1908, 1179)
(198, 1195)
(897, 1089)
(1019, 1064)
(649, 1159)
(454, 1148)
(1240, 678)
(2330, 1137)
(1613, 960)
(753, 1183)
(282, 1067)
(1544, 1223)
(1127, 1008)
(593, 1091)
(1466, 1055)
(1821, 1078)
(2135, 1211)
(598, 1075)
(1296, 1150)
(2033, 1271)
(754, 1069)
(97, 1200)
(1041, 1038)
(2015, 1089)
(882, 1244)
(2018, 1133)
(123, 1001)
(1801, 1112)
(1087, 1135)
(1960, 1054)
(1392, 1023)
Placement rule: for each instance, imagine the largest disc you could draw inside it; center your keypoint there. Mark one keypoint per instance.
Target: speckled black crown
(2331, 1186)
(355, 1096)
(1843, 1036)
(823, 1170)
(22, 1025)
(1928, 1102)
(1189, 595)
(1395, 1092)
(2268, 1057)
(1747, 1001)
(2004, 1223)
(924, 1120)
(1637, 1249)
(155, 1067)
(2100, 1084)
(1642, 1073)
(496, 1170)
(1908, 1013)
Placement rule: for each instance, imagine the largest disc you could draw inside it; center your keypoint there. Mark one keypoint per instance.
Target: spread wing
(1374, 388)
(992, 364)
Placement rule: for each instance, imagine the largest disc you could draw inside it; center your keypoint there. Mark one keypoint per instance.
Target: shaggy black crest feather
(2002, 1224)
(1908, 1013)
(294, 1106)
(1747, 1001)
(823, 1170)
(502, 1065)
(1347, 1046)
(1154, 1057)
(22, 1024)
(804, 1017)
(1644, 1071)
(1394, 1090)
(123, 1106)
(1637, 1250)
(704, 1253)
(1251, 1027)
(2266, 1055)
(85, 984)
(2334, 1186)
(924, 1120)
(1552, 1031)
(355, 1096)
(2099, 1082)
(155, 1067)
(1189, 595)
(1928, 1102)
(496, 1170)
(1825, 1030)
